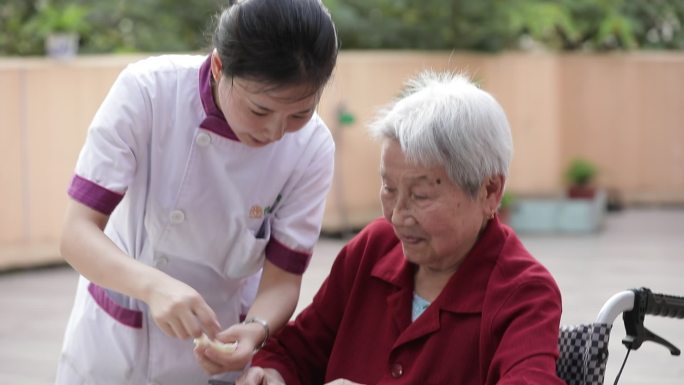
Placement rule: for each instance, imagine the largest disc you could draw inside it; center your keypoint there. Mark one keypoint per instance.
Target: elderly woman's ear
(492, 191)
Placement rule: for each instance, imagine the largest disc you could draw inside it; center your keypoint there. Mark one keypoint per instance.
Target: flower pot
(581, 192)
(559, 215)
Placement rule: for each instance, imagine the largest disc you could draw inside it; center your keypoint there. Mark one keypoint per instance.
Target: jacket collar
(215, 121)
(465, 290)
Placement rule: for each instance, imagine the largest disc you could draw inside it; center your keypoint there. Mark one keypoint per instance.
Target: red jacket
(495, 322)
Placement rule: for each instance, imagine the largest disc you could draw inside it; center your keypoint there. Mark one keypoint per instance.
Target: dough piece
(204, 341)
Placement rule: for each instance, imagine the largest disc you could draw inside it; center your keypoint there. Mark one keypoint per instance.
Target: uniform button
(397, 370)
(177, 216)
(203, 139)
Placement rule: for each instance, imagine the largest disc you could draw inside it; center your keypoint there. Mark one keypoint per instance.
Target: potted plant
(580, 176)
(506, 207)
(60, 27)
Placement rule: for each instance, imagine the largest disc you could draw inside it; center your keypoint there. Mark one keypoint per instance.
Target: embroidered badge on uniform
(256, 212)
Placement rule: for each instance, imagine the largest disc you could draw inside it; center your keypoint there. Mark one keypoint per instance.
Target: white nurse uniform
(186, 197)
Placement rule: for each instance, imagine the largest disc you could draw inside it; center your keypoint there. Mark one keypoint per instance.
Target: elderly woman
(439, 291)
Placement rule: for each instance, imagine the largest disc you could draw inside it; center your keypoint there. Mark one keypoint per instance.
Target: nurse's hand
(215, 361)
(260, 376)
(179, 310)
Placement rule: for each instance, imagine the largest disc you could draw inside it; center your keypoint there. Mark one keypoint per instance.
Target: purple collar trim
(215, 120)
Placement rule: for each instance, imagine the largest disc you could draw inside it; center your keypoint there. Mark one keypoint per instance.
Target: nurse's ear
(216, 65)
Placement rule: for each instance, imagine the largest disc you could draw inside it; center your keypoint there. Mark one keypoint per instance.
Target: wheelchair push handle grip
(645, 302)
(665, 305)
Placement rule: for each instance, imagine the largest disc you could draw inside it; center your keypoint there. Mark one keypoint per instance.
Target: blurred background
(593, 89)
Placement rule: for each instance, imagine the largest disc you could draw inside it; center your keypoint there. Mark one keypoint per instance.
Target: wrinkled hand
(260, 376)
(179, 310)
(215, 361)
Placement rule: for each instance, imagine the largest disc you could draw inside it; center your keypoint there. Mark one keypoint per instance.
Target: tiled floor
(637, 248)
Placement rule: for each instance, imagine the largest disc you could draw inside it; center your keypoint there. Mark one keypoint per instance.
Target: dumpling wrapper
(204, 342)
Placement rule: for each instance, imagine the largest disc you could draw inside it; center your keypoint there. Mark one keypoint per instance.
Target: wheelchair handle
(616, 305)
(645, 302)
(665, 305)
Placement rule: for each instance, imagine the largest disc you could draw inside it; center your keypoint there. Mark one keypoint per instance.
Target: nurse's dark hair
(280, 42)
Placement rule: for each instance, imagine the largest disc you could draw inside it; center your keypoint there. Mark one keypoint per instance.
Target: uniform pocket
(106, 343)
(246, 256)
(129, 317)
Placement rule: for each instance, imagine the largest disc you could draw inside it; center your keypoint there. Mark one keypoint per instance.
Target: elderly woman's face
(436, 221)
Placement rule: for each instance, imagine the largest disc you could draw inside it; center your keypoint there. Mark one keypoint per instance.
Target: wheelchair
(584, 347)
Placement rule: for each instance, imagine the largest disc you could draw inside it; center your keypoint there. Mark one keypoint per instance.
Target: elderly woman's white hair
(445, 119)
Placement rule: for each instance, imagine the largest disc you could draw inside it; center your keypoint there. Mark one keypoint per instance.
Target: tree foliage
(111, 25)
(480, 25)
(494, 25)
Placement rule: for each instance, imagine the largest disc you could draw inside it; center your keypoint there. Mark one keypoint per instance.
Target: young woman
(198, 197)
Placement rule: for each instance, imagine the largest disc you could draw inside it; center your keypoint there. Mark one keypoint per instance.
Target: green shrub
(580, 172)
(480, 25)
(507, 201)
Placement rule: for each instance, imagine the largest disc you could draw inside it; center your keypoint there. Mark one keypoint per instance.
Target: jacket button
(203, 139)
(177, 216)
(397, 370)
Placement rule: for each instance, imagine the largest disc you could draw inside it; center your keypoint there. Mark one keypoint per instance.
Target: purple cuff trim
(285, 258)
(128, 317)
(93, 195)
(215, 120)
